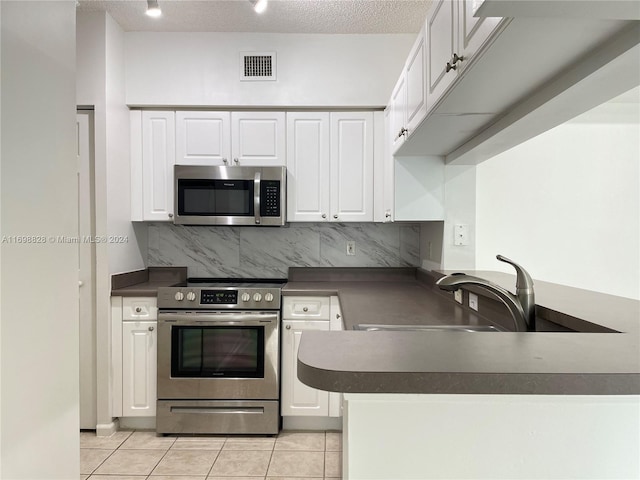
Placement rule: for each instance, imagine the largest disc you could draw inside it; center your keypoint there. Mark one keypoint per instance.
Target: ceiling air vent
(257, 66)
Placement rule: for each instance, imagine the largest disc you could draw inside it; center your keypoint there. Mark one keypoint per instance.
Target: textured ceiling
(282, 16)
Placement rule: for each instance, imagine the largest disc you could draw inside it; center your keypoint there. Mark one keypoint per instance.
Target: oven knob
(191, 296)
(179, 296)
(246, 297)
(257, 297)
(268, 297)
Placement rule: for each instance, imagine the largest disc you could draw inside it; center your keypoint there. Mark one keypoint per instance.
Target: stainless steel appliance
(210, 195)
(218, 357)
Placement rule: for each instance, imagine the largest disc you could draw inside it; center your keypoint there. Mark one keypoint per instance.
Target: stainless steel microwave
(210, 195)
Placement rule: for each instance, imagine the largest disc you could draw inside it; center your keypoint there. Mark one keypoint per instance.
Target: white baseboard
(107, 429)
(137, 423)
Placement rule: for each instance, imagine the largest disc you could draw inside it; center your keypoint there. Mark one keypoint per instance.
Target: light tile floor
(140, 455)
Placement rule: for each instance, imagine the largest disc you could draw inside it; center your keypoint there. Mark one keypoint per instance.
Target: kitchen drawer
(139, 308)
(306, 308)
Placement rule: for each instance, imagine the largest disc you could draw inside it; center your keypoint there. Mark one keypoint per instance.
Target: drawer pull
(305, 309)
(138, 309)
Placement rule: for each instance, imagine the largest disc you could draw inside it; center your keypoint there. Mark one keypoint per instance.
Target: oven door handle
(244, 318)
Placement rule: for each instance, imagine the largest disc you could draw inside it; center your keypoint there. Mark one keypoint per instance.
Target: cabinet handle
(235, 160)
(171, 215)
(224, 160)
(324, 215)
(450, 67)
(455, 59)
(335, 216)
(138, 309)
(305, 309)
(387, 215)
(337, 316)
(288, 327)
(151, 329)
(404, 131)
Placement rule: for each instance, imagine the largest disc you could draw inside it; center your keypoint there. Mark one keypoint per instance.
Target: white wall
(39, 345)
(566, 204)
(100, 78)
(312, 70)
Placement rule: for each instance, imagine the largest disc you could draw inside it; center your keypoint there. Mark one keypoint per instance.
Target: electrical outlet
(473, 301)
(351, 247)
(457, 295)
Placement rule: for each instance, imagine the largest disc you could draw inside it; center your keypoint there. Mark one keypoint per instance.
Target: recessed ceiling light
(153, 10)
(259, 5)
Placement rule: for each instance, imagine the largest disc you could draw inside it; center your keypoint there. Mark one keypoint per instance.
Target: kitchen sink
(428, 328)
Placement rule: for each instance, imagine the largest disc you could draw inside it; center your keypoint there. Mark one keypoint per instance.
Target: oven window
(217, 352)
(215, 197)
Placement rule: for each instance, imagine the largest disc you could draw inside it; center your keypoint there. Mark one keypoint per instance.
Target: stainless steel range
(218, 357)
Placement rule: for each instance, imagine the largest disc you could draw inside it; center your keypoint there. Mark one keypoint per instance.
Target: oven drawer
(306, 308)
(217, 417)
(139, 308)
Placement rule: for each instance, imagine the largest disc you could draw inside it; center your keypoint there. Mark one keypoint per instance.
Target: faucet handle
(524, 281)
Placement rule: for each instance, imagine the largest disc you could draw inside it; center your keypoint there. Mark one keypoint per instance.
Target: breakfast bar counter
(596, 362)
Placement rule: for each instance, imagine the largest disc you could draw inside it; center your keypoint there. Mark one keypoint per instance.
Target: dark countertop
(467, 363)
(145, 283)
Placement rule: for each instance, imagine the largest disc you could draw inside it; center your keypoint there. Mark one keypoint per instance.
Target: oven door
(218, 355)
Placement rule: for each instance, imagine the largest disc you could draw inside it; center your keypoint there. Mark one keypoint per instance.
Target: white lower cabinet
(139, 353)
(297, 398)
(134, 356)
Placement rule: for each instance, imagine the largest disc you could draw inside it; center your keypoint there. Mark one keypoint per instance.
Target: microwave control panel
(270, 198)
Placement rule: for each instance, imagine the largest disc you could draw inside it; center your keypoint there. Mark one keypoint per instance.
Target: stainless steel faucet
(522, 305)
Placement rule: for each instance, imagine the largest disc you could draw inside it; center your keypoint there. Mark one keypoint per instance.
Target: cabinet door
(258, 138)
(351, 171)
(298, 398)
(473, 31)
(383, 169)
(203, 138)
(158, 158)
(397, 113)
(441, 45)
(307, 166)
(416, 84)
(139, 353)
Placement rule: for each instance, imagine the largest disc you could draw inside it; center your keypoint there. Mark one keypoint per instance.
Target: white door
(86, 274)
(308, 153)
(298, 398)
(139, 356)
(258, 138)
(203, 138)
(158, 158)
(416, 74)
(441, 45)
(351, 171)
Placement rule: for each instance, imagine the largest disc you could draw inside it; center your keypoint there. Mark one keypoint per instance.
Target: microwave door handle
(256, 197)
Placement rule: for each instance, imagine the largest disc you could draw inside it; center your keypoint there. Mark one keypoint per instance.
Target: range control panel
(195, 298)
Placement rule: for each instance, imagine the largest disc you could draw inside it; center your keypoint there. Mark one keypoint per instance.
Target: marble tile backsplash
(263, 252)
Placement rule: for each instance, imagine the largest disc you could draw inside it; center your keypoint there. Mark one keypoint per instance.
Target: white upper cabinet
(152, 159)
(308, 166)
(454, 36)
(258, 138)
(398, 113)
(415, 74)
(203, 138)
(441, 46)
(230, 138)
(351, 173)
(330, 166)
